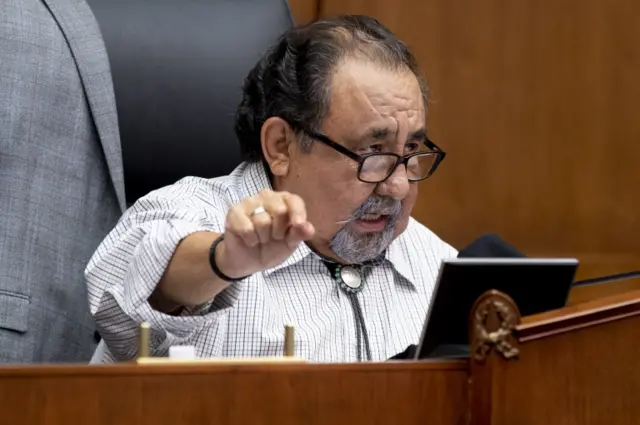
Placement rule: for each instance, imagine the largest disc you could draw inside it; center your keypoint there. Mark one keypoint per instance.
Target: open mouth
(372, 222)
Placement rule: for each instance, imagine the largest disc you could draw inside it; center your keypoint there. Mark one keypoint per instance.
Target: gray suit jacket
(61, 179)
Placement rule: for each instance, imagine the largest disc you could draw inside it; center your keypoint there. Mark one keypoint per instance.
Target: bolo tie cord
(361, 328)
(362, 335)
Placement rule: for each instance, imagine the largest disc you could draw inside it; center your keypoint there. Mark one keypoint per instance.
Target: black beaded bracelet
(214, 266)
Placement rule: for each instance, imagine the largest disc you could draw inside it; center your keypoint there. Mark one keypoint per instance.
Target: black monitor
(535, 285)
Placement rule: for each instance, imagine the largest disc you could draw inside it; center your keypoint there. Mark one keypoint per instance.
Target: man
(313, 230)
(61, 184)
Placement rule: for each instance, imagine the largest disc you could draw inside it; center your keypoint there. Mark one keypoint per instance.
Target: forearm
(123, 280)
(189, 279)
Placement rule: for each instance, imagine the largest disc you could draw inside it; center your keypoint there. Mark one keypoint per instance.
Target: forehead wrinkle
(370, 107)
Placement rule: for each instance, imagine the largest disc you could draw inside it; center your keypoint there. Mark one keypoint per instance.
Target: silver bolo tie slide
(349, 278)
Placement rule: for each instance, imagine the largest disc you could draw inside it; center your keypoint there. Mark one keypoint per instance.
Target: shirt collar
(393, 255)
(256, 179)
(398, 257)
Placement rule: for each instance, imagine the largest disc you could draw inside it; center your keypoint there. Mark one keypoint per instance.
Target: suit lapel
(83, 36)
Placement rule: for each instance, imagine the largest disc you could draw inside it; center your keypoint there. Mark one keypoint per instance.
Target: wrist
(218, 258)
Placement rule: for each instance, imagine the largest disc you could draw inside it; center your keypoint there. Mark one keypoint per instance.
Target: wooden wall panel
(537, 104)
(304, 10)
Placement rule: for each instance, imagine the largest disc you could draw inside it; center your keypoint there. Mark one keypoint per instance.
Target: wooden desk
(245, 394)
(576, 366)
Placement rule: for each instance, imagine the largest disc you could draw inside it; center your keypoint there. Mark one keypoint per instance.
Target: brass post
(289, 343)
(144, 339)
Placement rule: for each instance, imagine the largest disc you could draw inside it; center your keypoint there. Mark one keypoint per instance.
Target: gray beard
(356, 247)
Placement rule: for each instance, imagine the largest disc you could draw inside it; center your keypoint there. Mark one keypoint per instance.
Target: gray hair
(292, 80)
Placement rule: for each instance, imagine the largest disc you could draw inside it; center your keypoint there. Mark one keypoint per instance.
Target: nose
(396, 186)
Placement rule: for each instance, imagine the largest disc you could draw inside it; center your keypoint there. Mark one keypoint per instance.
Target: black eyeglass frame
(400, 159)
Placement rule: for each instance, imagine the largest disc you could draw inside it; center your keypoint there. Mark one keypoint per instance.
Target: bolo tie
(351, 281)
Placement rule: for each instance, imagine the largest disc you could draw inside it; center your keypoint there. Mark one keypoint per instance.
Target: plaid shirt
(248, 318)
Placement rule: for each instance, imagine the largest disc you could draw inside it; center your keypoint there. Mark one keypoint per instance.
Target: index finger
(296, 207)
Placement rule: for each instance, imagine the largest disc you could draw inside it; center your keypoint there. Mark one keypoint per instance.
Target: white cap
(183, 352)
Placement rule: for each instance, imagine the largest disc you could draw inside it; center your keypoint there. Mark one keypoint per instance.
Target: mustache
(378, 205)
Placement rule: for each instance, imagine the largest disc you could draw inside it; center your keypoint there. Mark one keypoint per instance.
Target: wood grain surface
(389, 393)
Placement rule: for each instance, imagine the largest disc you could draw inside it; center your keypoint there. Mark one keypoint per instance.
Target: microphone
(607, 279)
(492, 246)
(489, 245)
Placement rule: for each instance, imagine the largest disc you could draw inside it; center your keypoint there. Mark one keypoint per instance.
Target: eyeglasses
(377, 167)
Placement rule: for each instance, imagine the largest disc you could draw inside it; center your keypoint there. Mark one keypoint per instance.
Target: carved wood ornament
(493, 319)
